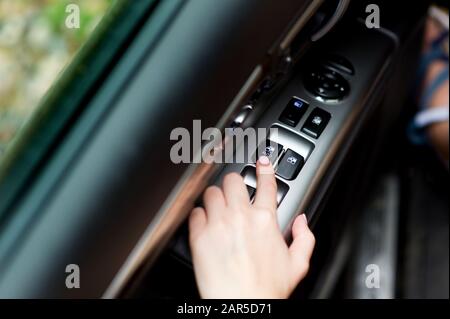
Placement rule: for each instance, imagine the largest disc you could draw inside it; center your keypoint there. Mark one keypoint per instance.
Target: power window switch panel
(316, 122)
(290, 165)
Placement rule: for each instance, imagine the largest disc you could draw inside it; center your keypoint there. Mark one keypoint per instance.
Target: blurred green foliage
(56, 14)
(35, 46)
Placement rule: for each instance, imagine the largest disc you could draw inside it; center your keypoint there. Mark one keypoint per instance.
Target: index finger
(266, 185)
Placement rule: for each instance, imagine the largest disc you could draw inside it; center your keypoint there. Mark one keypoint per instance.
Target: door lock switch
(293, 112)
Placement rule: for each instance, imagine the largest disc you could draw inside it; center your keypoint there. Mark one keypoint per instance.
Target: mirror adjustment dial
(326, 83)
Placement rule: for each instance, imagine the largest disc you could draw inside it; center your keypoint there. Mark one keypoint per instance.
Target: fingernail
(303, 216)
(264, 160)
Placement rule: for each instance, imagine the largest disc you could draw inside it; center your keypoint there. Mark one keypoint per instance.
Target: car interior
(90, 180)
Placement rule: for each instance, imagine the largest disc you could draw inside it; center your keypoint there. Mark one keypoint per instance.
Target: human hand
(237, 248)
(437, 93)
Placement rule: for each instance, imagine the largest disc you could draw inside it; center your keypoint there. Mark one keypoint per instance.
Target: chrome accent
(298, 25)
(242, 115)
(338, 14)
(376, 244)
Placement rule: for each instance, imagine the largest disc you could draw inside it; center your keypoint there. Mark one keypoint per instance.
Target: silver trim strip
(305, 16)
(338, 14)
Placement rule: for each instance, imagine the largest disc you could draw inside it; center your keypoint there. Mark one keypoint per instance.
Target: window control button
(289, 165)
(293, 112)
(270, 149)
(251, 191)
(316, 122)
(249, 175)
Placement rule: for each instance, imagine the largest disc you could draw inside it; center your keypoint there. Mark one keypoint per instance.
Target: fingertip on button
(264, 160)
(264, 166)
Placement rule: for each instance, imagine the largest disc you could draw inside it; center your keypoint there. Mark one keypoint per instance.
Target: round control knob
(326, 83)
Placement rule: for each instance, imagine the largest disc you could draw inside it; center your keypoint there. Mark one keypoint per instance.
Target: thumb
(301, 248)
